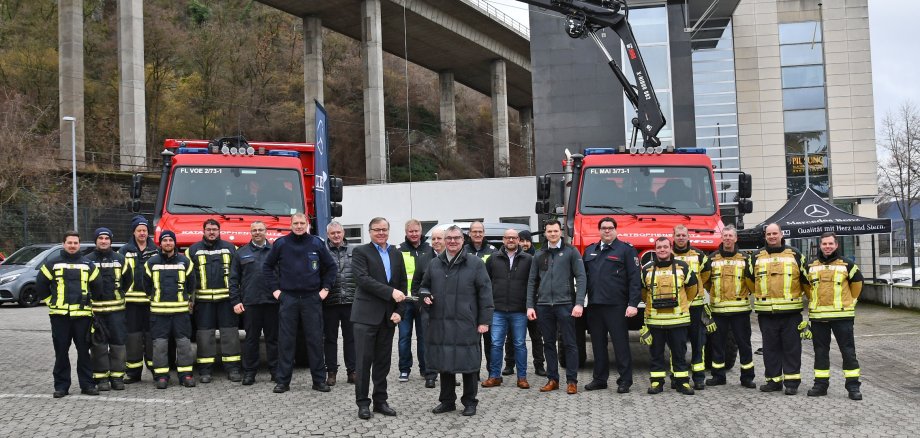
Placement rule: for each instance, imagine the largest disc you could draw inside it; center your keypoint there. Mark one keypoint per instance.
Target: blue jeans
(501, 321)
(413, 314)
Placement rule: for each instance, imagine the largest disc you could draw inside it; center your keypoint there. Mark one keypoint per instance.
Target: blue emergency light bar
(642, 150)
(294, 154)
(192, 150)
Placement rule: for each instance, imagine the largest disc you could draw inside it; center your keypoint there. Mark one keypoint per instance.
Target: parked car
(19, 271)
(898, 276)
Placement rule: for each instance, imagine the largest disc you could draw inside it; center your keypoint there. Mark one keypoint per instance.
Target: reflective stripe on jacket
(136, 293)
(835, 287)
(670, 280)
(779, 280)
(114, 278)
(212, 268)
(65, 283)
(170, 283)
(697, 261)
(728, 285)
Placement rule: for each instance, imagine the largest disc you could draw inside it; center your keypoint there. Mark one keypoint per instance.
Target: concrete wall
(442, 201)
(901, 296)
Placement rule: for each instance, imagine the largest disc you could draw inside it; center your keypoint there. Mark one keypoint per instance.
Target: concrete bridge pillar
(70, 77)
(501, 164)
(374, 127)
(527, 137)
(312, 72)
(132, 113)
(448, 110)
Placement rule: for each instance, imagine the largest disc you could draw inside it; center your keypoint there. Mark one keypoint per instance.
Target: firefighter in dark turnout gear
(213, 310)
(835, 287)
(138, 343)
(251, 297)
(171, 287)
(65, 283)
(667, 292)
(109, 311)
(614, 291)
(780, 280)
(729, 294)
(697, 261)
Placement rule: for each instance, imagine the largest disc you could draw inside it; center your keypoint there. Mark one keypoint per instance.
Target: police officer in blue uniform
(614, 291)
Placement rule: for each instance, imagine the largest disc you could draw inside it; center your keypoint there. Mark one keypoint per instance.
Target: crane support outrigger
(585, 18)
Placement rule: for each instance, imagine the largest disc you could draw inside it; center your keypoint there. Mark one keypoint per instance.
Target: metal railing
(486, 7)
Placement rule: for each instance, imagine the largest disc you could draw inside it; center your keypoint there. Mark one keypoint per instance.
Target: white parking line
(98, 398)
(887, 334)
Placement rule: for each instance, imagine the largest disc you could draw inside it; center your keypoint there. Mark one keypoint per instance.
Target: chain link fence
(26, 224)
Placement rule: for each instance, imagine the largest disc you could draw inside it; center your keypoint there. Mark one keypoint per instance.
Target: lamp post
(73, 159)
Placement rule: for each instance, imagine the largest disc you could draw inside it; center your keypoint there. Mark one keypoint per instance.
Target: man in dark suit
(380, 277)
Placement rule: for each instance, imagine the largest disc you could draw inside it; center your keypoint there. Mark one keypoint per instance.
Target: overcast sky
(895, 55)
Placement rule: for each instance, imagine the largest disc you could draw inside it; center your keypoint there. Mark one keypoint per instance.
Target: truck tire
(28, 296)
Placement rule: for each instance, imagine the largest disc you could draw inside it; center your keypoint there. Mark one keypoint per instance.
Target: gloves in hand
(706, 319)
(805, 330)
(645, 337)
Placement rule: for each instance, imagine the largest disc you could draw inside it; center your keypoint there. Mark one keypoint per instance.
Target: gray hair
(730, 228)
(453, 228)
(334, 224)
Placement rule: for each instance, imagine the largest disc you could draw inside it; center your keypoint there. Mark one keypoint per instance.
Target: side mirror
(542, 207)
(543, 186)
(335, 210)
(745, 206)
(336, 189)
(745, 185)
(136, 182)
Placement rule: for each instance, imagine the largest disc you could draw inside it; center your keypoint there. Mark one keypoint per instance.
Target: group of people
(465, 301)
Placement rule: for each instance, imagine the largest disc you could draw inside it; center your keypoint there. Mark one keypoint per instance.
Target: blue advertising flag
(321, 170)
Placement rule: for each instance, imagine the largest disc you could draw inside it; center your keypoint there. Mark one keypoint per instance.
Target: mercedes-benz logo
(815, 210)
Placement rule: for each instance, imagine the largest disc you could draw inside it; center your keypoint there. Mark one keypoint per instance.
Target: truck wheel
(28, 296)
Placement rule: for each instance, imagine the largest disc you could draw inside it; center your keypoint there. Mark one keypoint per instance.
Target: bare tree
(900, 166)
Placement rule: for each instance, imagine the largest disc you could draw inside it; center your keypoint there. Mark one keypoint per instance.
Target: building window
(804, 108)
(516, 220)
(427, 226)
(650, 27)
(354, 233)
(714, 102)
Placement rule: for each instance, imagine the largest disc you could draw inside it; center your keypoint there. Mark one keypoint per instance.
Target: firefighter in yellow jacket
(698, 263)
(778, 273)
(835, 286)
(667, 292)
(729, 298)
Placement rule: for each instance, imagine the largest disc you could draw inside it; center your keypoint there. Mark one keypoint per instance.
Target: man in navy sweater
(300, 271)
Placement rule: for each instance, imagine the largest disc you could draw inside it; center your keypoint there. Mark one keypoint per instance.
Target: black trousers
(306, 309)
(536, 345)
(554, 320)
(333, 317)
(738, 326)
(448, 394)
(259, 319)
(604, 320)
(487, 348)
(697, 334)
(675, 339)
(138, 344)
(782, 347)
(109, 358)
(373, 351)
(179, 327)
(821, 339)
(64, 331)
(211, 316)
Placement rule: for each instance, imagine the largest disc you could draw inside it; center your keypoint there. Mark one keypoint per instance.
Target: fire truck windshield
(647, 190)
(235, 190)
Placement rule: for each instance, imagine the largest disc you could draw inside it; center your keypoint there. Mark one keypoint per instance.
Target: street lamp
(73, 159)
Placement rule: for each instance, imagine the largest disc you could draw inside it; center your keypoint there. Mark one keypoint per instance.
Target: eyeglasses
(608, 228)
(453, 238)
(380, 230)
(509, 238)
(213, 230)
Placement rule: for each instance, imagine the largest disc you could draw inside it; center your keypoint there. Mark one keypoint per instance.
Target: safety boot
(104, 385)
(715, 381)
(656, 388)
(817, 391)
(118, 384)
(685, 389)
(855, 395)
(162, 383)
(330, 378)
(771, 386)
(188, 381)
(205, 378)
(234, 375)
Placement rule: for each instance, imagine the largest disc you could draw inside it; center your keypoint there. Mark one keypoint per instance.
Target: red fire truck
(237, 182)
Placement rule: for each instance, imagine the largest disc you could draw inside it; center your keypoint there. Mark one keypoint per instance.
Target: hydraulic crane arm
(585, 18)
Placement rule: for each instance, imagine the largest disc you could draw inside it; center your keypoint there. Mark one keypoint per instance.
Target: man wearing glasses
(380, 276)
(614, 291)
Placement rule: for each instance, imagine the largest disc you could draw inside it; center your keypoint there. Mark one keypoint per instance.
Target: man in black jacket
(337, 306)
(533, 327)
(252, 298)
(509, 269)
(300, 271)
(416, 254)
(380, 277)
(614, 290)
(109, 311)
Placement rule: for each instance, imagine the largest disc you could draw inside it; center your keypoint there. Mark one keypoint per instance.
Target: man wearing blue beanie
(108, 302)
(138, 344)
